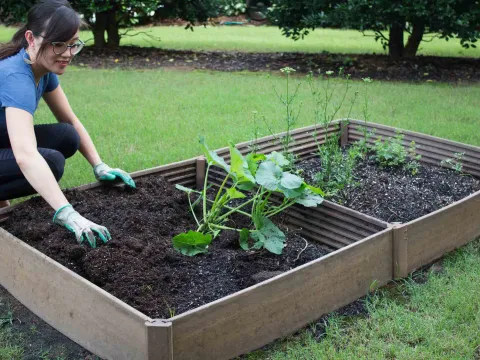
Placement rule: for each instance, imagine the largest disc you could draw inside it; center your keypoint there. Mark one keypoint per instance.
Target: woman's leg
(60, 137)
(12, 182)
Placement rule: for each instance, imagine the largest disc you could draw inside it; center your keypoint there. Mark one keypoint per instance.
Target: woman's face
(56, 56)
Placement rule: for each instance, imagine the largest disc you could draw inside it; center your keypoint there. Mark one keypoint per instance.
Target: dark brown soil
(139, 265)
(380, 67)
(394, 194)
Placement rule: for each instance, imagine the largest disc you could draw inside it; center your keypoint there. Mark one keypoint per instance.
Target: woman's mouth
(63, 63)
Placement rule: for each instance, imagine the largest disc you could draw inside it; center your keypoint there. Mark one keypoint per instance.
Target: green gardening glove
(103, 172)
(82, 228)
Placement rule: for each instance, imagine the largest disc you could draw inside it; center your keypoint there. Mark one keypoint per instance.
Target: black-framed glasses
(59, 47)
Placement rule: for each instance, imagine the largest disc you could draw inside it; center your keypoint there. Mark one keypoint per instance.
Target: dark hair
(55, 20)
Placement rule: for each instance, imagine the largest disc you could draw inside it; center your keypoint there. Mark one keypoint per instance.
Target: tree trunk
(395, 42)
(112, 30)
(414, 40)
(99, 30)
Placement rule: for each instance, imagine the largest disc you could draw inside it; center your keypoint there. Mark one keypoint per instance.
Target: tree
(389, 19)
(109, 16)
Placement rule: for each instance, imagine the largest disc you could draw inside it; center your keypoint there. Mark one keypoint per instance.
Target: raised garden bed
(352, 252)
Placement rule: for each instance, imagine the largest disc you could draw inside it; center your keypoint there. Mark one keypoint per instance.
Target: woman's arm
(58, 103)
(31, 163)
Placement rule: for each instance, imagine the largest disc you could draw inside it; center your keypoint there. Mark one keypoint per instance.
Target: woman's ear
(30, 39)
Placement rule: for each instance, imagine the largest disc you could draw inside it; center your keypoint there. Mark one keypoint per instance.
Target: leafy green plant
(456, 163)
(257, 180)
(340, 173)
(363, 142)
(291, 116)
(232, 7)
(336, 169)
(391, 152)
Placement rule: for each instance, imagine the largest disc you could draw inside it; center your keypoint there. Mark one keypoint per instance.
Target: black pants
(55, 142)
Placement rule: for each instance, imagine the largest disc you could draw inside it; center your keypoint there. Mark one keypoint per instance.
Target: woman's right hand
(84, 229)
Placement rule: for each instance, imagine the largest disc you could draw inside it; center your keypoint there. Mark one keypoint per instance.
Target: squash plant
(261, 187)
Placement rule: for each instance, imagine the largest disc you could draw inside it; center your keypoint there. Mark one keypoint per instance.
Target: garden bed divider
(370, 253)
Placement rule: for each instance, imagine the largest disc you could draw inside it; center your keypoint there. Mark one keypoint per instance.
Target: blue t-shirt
(18, 88)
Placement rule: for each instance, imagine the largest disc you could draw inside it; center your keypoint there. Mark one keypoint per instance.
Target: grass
(269, 39)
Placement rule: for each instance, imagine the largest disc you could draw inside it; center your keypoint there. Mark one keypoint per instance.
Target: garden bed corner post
(400, 251)
(343, 133)
(200, 172)
(159, 340)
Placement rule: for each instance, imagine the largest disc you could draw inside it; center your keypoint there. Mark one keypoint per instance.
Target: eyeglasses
(59, 47)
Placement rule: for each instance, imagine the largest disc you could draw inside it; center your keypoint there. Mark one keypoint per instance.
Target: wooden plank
(314, 230)
(434, 159)
(200, 173)
(80, 310)
(455, 145)
(337, 233)
(400, 251)
(326, 213)
(431, 236)
(159, 340)
(437, 150)
(251, 318)
(344, 133)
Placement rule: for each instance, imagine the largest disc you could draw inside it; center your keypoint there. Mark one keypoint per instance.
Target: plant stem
(205, 195)
(191, 209)
(225, 227)
(236, 209)
(279, 209)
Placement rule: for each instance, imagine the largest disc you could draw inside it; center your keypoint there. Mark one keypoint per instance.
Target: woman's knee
(55, 160)
(70, 141)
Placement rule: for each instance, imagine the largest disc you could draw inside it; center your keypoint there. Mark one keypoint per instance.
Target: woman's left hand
(103, 172)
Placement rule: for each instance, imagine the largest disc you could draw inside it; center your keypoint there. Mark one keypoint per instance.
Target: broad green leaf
(253, 160)
(309, 199)
(192, 243)
(315, 190)
(291, 193)
(244, 235)
(235, 194)
(246, 185)
(239, 166)
(271, 236)
(278, 159)
(269, 175)
(291, 181)
(212, 157)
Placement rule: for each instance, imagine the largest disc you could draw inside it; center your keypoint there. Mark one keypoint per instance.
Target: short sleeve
(52, 82)
(18, 91)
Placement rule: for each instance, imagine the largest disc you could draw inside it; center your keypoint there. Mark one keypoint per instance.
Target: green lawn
(269, 39)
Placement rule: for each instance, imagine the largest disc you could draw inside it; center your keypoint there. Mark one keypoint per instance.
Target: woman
(32, 157)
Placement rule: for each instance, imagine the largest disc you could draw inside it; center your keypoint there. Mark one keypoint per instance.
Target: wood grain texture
(159, 340)
(276, 307)
(435, 234)
(80, 310)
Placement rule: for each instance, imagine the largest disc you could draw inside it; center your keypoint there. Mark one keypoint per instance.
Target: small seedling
(456, 163)
(392, 153)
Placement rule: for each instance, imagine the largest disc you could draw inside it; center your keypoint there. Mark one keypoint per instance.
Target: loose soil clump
(139, 264)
